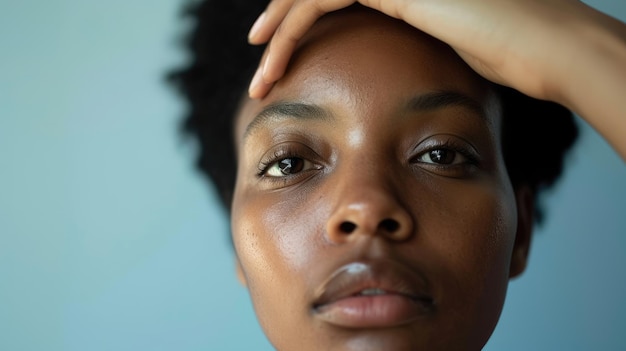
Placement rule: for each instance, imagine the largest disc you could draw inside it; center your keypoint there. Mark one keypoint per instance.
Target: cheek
(473, 240)
(273, 236)
(487, 244)
(485, 222)
(276, 246)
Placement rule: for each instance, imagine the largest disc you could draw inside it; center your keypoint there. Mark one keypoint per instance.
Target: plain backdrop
(110, 240)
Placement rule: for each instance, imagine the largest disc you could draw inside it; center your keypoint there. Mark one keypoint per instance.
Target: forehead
(363, 61)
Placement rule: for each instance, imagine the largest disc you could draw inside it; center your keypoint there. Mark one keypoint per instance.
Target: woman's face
(372, 207)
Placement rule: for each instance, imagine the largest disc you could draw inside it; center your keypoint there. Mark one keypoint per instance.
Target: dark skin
(379, 150)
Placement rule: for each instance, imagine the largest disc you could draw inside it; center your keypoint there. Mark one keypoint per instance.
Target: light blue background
(109, 240)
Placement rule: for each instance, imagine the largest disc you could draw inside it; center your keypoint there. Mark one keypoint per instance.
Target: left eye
(287, 166)
(442, 157)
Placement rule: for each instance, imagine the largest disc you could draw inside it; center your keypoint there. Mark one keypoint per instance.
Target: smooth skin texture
(558, 50)
(378, 148)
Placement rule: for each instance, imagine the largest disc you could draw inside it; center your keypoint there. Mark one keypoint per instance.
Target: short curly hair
(222, 63)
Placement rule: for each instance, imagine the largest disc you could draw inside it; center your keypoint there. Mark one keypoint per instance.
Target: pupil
(290, 165)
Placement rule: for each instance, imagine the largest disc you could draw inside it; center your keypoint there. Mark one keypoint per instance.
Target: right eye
(443, 156)
(287, 166)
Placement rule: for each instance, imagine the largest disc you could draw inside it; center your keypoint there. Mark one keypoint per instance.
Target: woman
(382, 199)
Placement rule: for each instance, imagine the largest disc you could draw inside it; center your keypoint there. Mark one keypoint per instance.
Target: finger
(294, 26)
(258, 87)
(265, 26)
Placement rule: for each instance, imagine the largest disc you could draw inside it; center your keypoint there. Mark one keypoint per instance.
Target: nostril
(389, 225)
(347, 227)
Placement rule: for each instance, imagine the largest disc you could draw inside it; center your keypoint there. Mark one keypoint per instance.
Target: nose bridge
(367, 201)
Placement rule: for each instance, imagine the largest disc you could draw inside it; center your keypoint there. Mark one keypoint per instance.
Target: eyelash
(277, 155)
(450, 144)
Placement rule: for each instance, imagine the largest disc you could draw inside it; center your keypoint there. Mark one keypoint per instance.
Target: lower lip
(375, 311)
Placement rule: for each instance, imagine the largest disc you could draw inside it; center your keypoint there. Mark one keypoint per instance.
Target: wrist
(589, 55)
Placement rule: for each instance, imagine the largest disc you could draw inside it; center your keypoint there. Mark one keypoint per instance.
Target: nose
(368, 208)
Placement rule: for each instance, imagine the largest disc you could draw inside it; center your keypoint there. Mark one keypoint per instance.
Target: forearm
(590, 74)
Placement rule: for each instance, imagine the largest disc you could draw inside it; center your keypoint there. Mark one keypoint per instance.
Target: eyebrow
(282, 110)
(426, 102)
(440, 99)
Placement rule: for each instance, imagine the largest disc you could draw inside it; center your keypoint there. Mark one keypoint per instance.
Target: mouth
(373, 294)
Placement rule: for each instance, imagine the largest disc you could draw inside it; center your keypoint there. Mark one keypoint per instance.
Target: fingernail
(256, 26)
(266, 66)
(256, 80)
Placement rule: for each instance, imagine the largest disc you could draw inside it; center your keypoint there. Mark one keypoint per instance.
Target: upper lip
(390, 276)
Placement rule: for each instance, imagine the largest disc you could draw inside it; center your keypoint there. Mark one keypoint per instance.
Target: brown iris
(442, 156)
(291, 165)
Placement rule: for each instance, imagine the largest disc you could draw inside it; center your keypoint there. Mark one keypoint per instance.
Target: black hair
(536, 134)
